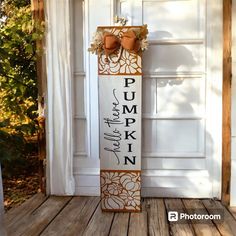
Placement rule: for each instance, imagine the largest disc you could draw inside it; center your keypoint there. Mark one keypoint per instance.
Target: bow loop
(130, 42)
(110, 43)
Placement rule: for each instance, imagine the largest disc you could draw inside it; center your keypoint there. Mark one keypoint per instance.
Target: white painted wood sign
(120, 87)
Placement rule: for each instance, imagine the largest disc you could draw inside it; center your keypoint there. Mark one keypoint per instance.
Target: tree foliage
(18, 82)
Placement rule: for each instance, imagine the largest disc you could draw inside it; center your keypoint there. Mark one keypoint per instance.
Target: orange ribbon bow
(128, 41)
(110, 43)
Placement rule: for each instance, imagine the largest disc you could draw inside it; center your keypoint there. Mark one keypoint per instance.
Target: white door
(181, 151)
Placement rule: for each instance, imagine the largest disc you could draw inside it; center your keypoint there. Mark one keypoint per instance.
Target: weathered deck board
(183, 229)
(157, 220)
(208, 228)
(15, 214)
(138, 223)
(228, 226)
(233, 211)
(100, 223)
(37, 220)
(120, 224)
(74, 217)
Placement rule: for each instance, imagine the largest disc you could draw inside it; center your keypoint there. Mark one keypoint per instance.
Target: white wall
(233, 118)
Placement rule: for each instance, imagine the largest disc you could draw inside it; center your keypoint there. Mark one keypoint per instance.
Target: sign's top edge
(120, 171)
(119, 74)
(119, 27)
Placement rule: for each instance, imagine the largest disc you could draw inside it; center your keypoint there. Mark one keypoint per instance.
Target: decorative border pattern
(125, 64)
(120, 190)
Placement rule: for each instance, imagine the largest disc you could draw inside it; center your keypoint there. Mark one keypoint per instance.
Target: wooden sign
(120, 92)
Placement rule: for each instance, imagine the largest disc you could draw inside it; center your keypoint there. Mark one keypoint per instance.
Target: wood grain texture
(74, 217)
(37, 220)
(15, 214)
(207, 227)
(228, 226)
(157, 220)
(64, 216)
(233, 211)
(184, 228)
(37, 8)
(227, 76)
(120, 224)
(138, 223)
(100, 223)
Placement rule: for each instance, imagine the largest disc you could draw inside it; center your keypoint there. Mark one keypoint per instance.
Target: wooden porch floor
(64, 216)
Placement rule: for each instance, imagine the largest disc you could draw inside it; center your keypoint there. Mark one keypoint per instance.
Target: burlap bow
(128, 41)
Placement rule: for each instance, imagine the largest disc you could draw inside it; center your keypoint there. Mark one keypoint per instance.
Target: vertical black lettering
(127, 134)
(129, 81)
(129, 159)
(129, 121)
(129, 147)
(129, 110)
(126, 96)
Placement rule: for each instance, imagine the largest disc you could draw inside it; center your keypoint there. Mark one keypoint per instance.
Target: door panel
(172, 136)
(176, 163)
(80, 96)
(176, 91)
(173, 58)
(86, 16)
(80, 138)
(167, 19)
(174, 97)
(79, 84)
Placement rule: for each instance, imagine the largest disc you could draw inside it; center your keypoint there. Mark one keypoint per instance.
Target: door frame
(226, 112)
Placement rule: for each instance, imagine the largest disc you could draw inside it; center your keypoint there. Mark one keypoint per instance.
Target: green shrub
(18, 82)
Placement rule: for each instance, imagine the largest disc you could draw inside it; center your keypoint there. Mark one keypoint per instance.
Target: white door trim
(215, 72)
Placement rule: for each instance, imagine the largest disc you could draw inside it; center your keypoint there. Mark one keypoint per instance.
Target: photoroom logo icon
(173, 216)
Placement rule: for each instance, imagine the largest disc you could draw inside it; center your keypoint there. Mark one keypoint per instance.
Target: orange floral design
(120, 190)
(130, 63)
(132, 199)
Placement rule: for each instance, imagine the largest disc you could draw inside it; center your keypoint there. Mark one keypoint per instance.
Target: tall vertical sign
(120, 93)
